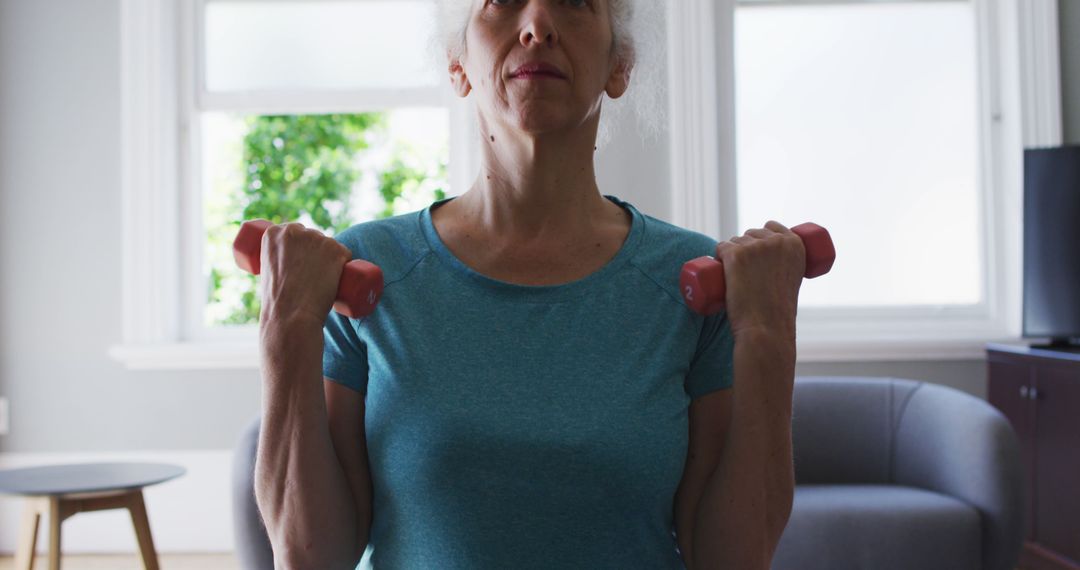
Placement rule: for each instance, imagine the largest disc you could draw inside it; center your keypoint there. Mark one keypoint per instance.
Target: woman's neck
(537, 189)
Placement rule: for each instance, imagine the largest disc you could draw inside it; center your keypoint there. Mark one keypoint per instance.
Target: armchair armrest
(958, 445)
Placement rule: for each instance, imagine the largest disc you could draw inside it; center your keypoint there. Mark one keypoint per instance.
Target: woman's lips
(536, 75)
(537, 70)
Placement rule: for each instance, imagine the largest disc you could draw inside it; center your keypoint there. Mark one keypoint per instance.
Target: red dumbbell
(702, 280)
(359, 289)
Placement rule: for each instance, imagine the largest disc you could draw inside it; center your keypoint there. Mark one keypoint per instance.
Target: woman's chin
(545, 121)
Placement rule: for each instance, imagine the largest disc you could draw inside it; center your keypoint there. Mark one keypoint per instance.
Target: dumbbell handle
(702, 279)
(359, 289)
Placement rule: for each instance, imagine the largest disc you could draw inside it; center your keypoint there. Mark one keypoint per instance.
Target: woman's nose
(538, 25)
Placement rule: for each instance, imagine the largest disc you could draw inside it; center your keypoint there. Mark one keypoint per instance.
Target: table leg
(142, 529)
(54, 532)
(24, 558)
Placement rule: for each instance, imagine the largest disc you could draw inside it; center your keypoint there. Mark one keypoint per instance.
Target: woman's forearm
(300, 485)
(747, 501)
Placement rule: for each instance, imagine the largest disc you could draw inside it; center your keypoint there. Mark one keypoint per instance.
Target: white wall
(60, 253)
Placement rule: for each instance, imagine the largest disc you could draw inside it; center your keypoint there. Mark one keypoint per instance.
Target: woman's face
(509, 42)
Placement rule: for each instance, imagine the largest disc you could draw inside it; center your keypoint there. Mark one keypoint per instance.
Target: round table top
(85, 478)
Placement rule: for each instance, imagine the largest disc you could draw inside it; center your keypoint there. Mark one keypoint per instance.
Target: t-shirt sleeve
(344, 353)
(712, 367)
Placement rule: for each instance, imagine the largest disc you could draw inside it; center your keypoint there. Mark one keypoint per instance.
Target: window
(288, 110)
(898, 125)
(297, 115)
(863, 117)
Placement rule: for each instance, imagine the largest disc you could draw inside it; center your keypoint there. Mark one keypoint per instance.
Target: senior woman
(532, 391)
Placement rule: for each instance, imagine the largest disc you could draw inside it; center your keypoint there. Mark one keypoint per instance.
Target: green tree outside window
(306, 168)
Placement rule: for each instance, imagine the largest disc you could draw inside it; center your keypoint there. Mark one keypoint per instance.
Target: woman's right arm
(303, 486)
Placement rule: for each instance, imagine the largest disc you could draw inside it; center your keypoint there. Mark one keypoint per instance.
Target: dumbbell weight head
(360, 289)
(820, 252)
(247, 247)
(702, 285)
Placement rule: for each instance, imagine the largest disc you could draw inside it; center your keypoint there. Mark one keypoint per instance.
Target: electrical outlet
(5, 424)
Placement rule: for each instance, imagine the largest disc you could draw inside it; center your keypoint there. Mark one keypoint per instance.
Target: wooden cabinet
(1038, 390)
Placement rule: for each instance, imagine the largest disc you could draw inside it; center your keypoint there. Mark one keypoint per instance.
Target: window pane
(863, 118)
(324, 171)
(318, 45)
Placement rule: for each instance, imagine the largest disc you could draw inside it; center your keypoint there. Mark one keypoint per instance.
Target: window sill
(230, 355)
(895, 350)
(234, 355)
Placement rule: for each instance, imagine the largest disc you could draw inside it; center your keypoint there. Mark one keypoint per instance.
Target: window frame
(163, 85)
(1020, 106)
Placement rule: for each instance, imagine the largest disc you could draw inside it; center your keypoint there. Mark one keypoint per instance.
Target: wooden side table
(60, 491)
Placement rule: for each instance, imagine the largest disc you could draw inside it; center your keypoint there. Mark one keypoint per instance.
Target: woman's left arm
(747, 501)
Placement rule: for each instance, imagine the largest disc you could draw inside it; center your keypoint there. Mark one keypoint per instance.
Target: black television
(1052, 246)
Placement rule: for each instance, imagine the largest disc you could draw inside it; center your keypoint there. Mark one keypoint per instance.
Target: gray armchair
(890, 474)
(897, 474)
(253, 550)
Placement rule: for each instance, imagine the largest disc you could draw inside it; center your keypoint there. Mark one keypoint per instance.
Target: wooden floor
(131, 562)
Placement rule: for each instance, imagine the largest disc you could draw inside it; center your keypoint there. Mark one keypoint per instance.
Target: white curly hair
(637, 28)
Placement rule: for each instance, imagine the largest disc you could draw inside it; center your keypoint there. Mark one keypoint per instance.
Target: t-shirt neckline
(534, 292)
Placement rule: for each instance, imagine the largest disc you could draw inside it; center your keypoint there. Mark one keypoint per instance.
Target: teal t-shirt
(515, 426)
